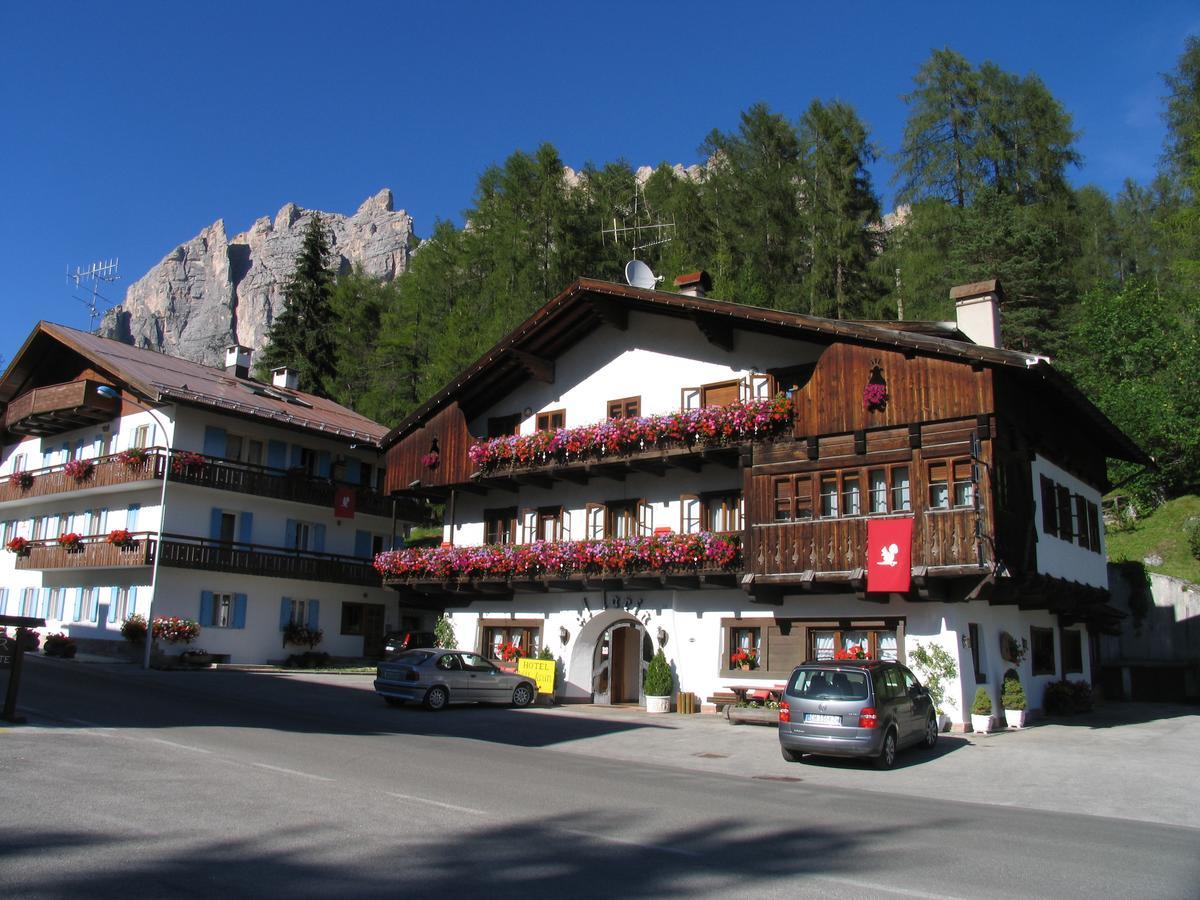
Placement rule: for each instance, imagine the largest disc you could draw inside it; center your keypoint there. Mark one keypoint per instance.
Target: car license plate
(817, 719)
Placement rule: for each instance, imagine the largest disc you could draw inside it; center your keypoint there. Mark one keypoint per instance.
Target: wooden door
(373, 630)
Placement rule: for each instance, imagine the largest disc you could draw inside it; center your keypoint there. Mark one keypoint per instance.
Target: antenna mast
(105, 272)
(635, 224)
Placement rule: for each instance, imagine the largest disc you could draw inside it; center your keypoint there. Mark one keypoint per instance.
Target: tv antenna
(103, 272)
(635, 225)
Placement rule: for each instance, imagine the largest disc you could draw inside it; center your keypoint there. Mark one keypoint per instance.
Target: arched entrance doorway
(611, 656)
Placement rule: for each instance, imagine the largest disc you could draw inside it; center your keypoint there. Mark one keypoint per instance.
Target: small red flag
(889, 554)
(343, 503)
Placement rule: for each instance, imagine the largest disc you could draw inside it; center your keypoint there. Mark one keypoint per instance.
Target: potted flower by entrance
(1012, 698)
(981, 711)
(658, 684)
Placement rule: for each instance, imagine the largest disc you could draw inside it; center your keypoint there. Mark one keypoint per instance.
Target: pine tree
(302, 336)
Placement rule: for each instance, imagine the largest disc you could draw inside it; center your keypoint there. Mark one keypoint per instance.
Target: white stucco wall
(1059, 557)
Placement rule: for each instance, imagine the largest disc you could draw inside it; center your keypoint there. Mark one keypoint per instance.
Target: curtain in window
(887, 645)
(855, 639)
(823, 644)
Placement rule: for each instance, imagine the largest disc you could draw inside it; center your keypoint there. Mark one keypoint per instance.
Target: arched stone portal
(586, 676)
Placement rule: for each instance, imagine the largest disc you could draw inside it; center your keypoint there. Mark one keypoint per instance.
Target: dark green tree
(302, 336)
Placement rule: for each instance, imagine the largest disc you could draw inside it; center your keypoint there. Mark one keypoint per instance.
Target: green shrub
(443, 633)
(1192, 529)
(1082, 698)
(659, 680)
(935, 666)
(983, 703)
(1012, 695)
(1066, 698)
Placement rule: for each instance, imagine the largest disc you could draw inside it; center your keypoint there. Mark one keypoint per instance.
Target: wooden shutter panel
(645, 518)
(760, 386)
(277, 454)
(314, 614)
(362, 544)
(528, 525)
(239, 610)
(594, 521)
(214, 441)
(319, 538)
(246, 528)
(206, 608)
(285, 612)
(214, 524)
(689, 514)
(689, 398)
(289, 534)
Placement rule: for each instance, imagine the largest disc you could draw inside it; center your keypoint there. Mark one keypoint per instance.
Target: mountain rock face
(212, 291)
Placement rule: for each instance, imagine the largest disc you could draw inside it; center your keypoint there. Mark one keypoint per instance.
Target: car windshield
(410, 657)
(828, 684)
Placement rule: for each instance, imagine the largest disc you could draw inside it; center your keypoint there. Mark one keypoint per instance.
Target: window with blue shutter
(214, 527)
(93, 603)
(362, 544)
(133, 598)
(319, 538)
(78, 617)
(314, 614)
(323, 463)
(46, 603)
(214, 441)
(277, 454)
(206, 608)
(289, 534)
(297, 456)
(114, 597)
(246, 528)
(4, 602)
(285, 613)
(353, 471)
(131, 516)
(239, 611)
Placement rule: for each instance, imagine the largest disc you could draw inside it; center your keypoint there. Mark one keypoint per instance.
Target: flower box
(187, 461)
(18, 545)
(134, 457)
(711, 425)
(23, 480)
(119, 537)
(71, 542)
(79, 469)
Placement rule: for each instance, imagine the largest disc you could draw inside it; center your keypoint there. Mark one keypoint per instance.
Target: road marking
(466, 809)
(628, 843)
(179, 746)
(290, 772)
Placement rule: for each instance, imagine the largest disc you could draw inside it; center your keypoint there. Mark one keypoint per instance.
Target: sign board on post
(541, 671)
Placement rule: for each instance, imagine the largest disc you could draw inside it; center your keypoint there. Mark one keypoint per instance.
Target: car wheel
(522, 695)
(931, 732)
(394, 701)
(887, 753)
(437, 698)
(790, 755)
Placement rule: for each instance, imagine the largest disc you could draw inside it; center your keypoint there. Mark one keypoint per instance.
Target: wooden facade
(107, 471)
(92, 552)
(182, 551)
(57, 408)
(446, 435)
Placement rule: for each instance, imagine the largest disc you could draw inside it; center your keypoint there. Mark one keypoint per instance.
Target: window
(19, 462)
(746, 641)
(551, 420)
(29, 601)
(593, 521)
(298, 535)
(877, 491)
(1065, 525)
(901, 493)
(500, 525)
(233, 446)
(353, 615)
(549, 524)
(976, 653)
(627, 408)
(254, 453)
(628, 518)
(792, 496)
(222, 611)
(951, 482)
(851, 495)
(1041, 650)
(1049, 507)
(141, 436)
(939, 485)
(829, 496)
(690, 514)
(723, 512)
(526, 635)
(1072, 652)
(296, 612)
(502, 426)
(877, 643)
(308, 460)
(1093, 525)
(964, 483)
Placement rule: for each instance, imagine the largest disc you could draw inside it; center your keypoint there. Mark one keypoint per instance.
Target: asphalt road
(132, 784)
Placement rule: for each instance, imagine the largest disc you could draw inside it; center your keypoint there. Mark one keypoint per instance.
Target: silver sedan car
(437, 677)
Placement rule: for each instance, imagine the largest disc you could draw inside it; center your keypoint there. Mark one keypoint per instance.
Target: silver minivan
(866, 708)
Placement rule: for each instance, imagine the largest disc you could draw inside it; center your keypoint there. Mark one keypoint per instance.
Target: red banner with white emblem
(889, 554)
(343, 503)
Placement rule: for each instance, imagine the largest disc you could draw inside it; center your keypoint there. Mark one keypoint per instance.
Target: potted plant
(59, 644)
(744, 658)
(981, 711)
(121, 538)
(23, 480)
(302, 635)
(79, 469)
(1012, 698)
(935, 666)
(175, 630)
(71, 542)
(511, 654)
(187, 461)
(133, 629)
(196, 657)
(18, 545)
(134, 457)
(658, 684)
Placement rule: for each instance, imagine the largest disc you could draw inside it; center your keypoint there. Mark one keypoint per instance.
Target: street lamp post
(106, 391)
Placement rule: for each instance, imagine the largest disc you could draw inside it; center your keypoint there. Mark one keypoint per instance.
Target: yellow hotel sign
(541, 671)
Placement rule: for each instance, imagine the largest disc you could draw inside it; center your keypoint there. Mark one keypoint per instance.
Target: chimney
(693, 284)
(285, 378)
(977, 311)
(237, 361)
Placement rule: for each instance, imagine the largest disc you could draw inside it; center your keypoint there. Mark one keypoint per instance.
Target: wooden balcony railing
(835, 549)
(92, 552)
(210, 471)
(59, 407)
(185, 552)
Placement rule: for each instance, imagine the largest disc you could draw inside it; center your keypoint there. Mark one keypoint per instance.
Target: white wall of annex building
(1059, 557)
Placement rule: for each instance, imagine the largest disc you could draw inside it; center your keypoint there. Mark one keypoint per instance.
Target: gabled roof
(586, 303)
(164, 379)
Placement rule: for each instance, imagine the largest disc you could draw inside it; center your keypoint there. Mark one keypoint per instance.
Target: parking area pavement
(1128, 760)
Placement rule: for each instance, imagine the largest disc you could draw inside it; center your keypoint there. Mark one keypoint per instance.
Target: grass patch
(1161, 534)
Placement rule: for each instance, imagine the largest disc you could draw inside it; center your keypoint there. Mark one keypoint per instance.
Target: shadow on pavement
(905, 759)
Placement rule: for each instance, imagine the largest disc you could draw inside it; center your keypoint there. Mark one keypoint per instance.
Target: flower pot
(745, 667)
(192, 658)
(981, 724)
(658, 704)
(1014, 718)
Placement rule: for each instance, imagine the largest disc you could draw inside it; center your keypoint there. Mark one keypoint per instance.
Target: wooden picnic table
(748, 692)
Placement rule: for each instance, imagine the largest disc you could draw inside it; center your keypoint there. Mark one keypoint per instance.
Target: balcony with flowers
(616, 447)
(666, 561)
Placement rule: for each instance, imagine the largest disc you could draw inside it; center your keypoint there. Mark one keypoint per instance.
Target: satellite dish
(640, 275)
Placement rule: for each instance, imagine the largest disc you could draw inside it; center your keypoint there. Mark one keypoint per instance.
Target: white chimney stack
(237, 361)
(285, 378)
(977, 311)
(693, 284)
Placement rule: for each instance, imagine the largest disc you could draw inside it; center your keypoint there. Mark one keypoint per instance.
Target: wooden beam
(533, 479)
(655, 467)
(610, 312)
(722, 456)
(689, 461)
(575, 476)
(538, 367)
(683, 582)
(717, 330)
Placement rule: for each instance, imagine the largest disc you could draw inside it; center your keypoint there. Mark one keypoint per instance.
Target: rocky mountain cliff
(214, 291)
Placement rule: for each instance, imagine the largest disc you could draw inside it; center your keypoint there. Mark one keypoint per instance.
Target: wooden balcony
(107, 472)
(829, 552)
(213, 472)
(185, 552)
(60, 407)
(93, 552)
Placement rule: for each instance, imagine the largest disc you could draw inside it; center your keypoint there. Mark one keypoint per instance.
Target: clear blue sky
(126, 128)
